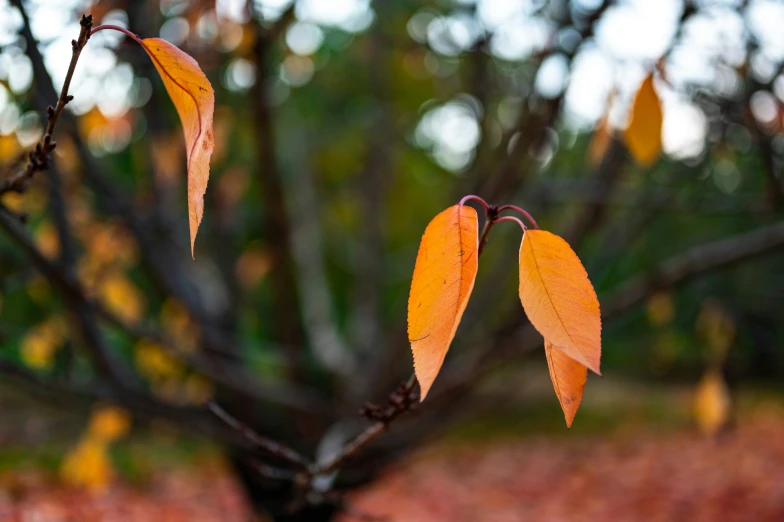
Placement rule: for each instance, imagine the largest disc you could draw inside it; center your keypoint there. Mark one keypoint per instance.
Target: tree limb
(692, 263)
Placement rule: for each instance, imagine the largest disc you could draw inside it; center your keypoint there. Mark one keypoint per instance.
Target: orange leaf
(643, 135)
(192, 95)
(558, 297)
(444, 276)
(568, 378)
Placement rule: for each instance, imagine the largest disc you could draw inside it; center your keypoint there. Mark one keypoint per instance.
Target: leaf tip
(424, 385)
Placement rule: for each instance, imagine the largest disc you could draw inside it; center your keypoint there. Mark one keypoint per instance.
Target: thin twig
(39, 156)
(403, 399)
(263, 443)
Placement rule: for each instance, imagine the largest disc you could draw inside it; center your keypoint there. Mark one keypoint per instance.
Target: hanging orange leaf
(558, 297)
(568, 377)
(444, 276)
(643, 135)
(194, 99)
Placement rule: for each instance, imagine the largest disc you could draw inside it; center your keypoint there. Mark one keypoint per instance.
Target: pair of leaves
(554, 290)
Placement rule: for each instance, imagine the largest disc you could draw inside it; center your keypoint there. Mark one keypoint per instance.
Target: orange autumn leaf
(558, 297)
(444, 276)
(643, 136)
(194, 99)
(568, 377)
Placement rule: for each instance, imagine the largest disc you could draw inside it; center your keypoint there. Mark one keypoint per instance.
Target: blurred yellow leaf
(712, 403)
(87, 465)
(120, 296)
(660, 308)
(643, 135)
(154, 363)
(109, 423)
(39, 345)
(47, 240)
(10, 149)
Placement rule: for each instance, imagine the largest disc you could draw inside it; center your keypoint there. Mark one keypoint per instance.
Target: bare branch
(39, 157)
(692, 263)
(405, 397)
(269, 446)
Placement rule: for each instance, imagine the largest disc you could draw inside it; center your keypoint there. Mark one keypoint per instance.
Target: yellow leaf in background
(558, 297)
(194, 99)
(444, 276)
(39, 345)
(660, 308)
(109, 423)
(108, 244)
(643, 136)
(87, 465)
(712, 403)
(120, 296)
(10, 149)
(568, 378)
(154, 363)
(47, 240)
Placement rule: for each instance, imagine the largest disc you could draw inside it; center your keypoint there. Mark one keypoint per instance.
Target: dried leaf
(192, 95)
(643, 135)
(444, 276)
(558, 297)
(568, 377)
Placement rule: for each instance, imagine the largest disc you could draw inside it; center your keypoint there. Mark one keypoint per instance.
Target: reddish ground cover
(736, 477)
(628, 476)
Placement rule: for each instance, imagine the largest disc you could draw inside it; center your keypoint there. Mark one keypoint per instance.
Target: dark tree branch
(259, 442)
(400, 401)
(692, 263)
(286, 325)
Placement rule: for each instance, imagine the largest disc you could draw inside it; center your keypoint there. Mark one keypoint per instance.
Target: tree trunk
(277, 499)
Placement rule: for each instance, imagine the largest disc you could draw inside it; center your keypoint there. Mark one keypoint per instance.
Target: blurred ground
(738, 476)
(633, 454)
